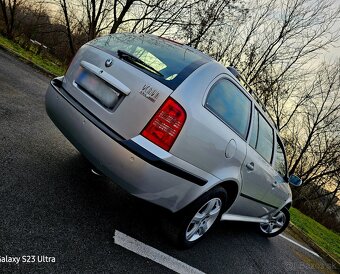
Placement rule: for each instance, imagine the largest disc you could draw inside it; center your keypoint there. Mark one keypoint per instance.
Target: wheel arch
(230, 186)
(288, 205)
(232, 189)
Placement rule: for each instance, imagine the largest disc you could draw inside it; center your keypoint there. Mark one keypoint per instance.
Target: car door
(257, 172)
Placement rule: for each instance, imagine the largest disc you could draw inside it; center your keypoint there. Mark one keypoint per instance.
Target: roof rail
(244, 83)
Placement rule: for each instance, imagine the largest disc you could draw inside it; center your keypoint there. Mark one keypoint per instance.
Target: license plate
(97, 88)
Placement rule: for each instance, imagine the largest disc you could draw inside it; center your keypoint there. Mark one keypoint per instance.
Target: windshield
(171, 61)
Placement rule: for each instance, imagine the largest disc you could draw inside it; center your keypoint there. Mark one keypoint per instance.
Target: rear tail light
(165, 125)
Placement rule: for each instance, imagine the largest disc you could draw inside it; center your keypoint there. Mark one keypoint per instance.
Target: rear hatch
(123, 79)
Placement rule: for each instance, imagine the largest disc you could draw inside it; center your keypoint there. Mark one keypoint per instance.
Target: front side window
(262, 137)
(229, 103)
(280, 160)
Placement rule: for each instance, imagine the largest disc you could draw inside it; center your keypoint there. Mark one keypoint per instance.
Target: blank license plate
(97, 88)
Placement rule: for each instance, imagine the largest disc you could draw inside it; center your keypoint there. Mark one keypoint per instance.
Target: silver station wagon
(174, 127)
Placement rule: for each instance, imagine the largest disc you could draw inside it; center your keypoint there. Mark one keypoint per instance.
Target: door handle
(250, 166)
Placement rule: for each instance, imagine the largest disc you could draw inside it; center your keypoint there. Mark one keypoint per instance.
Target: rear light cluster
(165, 125)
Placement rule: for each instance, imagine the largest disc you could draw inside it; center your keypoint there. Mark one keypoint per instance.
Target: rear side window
(262, 137)
(174, 62)
(280, 160)
(255, 130)
(229, 103)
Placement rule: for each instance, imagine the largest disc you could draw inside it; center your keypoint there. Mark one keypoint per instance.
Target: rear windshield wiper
(135, 60)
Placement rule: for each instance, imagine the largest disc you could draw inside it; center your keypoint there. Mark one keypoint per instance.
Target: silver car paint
(201, 154)
(129, 171)
(123, 119)
(204, 138)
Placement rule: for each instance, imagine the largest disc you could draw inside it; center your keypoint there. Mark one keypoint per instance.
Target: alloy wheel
(204, 218)
(275, 224)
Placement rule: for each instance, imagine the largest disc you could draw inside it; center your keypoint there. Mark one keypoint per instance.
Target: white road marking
(308, 250)
(153, 254)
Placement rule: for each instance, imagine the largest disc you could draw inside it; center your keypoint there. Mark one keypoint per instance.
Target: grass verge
(51, 66)
(322, 236)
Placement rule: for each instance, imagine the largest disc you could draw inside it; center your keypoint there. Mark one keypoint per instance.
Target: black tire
(182, 224)
(282, 218)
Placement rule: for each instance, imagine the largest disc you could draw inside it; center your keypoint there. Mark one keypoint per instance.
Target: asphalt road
(52, 205)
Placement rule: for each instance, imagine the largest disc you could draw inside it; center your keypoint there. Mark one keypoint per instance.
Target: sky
(333, 53)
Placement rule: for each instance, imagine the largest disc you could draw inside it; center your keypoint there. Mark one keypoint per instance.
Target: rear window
(174, 62)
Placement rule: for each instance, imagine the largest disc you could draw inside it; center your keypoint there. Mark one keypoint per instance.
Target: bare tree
(207, 17)
(92, 17)
(120, 9)
(9, 9)
(96, 16)
(65, 8)
(157, 16)
(283, 39)
(271, 42)
(320, 137)
(313, 139)
(151, 16)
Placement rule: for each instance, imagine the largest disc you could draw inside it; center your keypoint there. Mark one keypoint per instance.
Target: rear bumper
(127, 163)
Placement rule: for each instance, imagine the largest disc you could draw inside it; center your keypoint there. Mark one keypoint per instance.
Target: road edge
(324, 254)
(29, 62)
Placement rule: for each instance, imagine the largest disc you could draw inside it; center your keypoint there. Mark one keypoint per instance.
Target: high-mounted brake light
(166, 124)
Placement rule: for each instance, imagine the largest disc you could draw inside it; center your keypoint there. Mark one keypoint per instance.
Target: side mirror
(295, 180)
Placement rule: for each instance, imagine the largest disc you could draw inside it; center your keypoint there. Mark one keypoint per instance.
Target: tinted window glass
(280, 161)
(255, 130)
(174, 61)
(149, 59)
(265, 140)
(230, 105)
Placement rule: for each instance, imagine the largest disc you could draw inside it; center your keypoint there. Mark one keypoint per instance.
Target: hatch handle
(108, 78)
